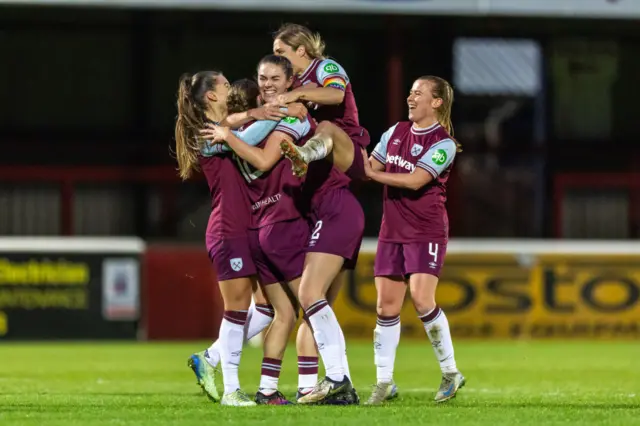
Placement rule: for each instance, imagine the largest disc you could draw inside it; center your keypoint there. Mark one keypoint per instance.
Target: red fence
(67, 178)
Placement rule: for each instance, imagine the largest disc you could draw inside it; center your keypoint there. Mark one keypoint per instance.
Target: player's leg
(307, 360)
(259, 317)
(204, 364)
(423, 262)
(236, 295)
(332, 295)
(386, 336)
(337, 234)
(330, 142)
(283, 247)
(275, 343)
(319, 272)
(391, 289)
(260, 314)
(236, 276)
(308, 352)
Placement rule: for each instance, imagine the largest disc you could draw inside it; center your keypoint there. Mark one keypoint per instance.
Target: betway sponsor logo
(400, 162)
(266, 202)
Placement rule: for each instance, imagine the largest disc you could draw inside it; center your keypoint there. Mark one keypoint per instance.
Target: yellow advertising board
(508, 296)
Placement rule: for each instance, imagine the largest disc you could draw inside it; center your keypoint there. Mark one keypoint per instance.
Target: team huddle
(279, 155)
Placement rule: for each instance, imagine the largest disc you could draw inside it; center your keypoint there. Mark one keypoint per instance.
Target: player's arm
(251, 135)
(375, 164)
(332, 79)
(378, 158)
(429, 167)
(320, 95)
(265, 112)
(414, 180)
(261, 159)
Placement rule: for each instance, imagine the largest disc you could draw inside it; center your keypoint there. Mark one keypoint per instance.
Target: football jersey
(408, 215)
(329, 73)
(229, 197)
(274, 194)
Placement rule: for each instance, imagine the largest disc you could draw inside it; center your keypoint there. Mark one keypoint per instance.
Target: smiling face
(273, 81)
(422, 104)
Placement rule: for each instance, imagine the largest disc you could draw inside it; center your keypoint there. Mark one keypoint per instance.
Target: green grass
(509, 383)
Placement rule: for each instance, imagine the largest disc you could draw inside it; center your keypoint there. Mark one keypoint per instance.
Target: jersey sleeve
(293, 127)
(257, 132)
(331, 74)
(438, 157)
(380, 151)
(251, 135)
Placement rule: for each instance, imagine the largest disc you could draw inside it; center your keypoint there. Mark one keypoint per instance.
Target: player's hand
(287, 98)
(368, 170)
(297, 110)
(214, 133)
(267, 112)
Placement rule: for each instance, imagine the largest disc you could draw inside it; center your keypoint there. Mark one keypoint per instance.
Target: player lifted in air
(413, 160)
(279, 232)
(323, 84)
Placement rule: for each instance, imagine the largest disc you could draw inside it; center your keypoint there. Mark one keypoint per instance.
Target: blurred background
(546, 111)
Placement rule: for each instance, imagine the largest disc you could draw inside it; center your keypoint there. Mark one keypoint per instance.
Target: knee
(324, 126)
(286, 318)
(388, 306)
(308, 297)
(237, 301)
(423, 301)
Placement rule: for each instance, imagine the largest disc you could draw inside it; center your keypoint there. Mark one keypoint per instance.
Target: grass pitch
(508, 383)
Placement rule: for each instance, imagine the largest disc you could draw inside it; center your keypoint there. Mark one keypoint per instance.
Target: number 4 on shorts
(433, 251)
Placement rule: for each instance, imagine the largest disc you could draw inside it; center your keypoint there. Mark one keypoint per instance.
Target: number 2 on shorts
(433, 251)
(316, 230)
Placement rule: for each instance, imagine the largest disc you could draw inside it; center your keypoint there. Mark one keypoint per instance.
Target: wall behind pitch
(181, 295)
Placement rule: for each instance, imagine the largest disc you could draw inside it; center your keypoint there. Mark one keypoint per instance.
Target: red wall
(180, 294)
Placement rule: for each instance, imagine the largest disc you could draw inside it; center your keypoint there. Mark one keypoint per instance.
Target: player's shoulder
(439, 134)
(329, 66)
(402, 126)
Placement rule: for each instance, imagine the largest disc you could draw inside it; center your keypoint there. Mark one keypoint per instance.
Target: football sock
(270, 375)
(386, 337)
(231, 340)
(437, 328)
(326, 331)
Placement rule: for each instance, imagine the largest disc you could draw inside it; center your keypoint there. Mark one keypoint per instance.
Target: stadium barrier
(70, 288)
(512, 289)
(509, 289)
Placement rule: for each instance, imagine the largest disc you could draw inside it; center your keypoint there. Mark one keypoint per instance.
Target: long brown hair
(295, 35)
(192, 106)
(441, 89)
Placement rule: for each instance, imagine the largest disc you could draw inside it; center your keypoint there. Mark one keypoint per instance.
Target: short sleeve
(331, 74)
(257, 132)
(251, 135)
(380, 151)
(294, 127)
(438, 157)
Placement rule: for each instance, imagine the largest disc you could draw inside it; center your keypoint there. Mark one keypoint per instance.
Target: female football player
(279, 231)
(202, 98)
(413, 160)
(324, 84)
